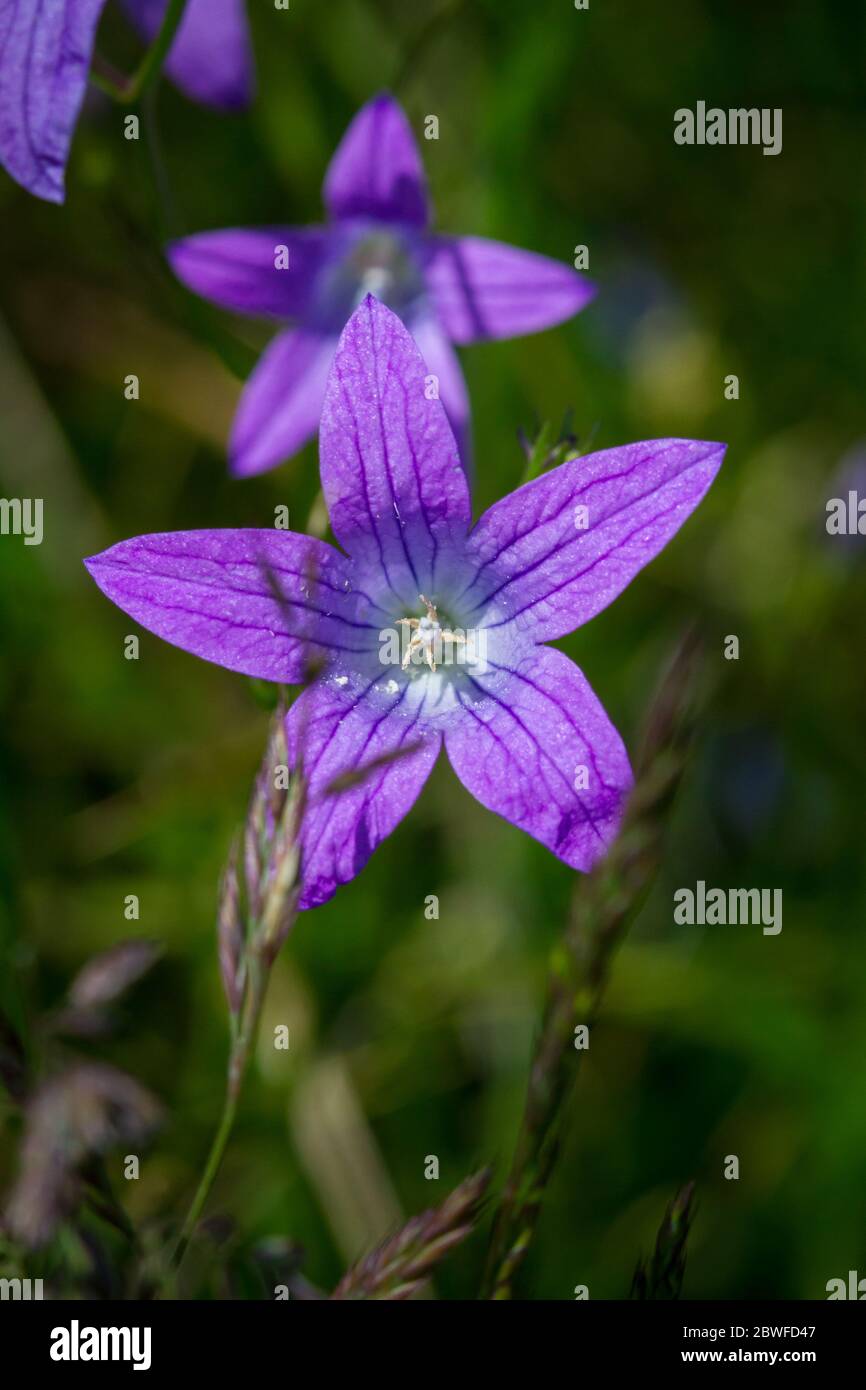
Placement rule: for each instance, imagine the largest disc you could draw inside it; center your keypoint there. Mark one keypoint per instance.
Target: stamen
(426, 633)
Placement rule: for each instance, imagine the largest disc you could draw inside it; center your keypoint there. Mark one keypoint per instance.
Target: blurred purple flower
(523, 730)
(46, 48)
(211, 58)
(445, 289)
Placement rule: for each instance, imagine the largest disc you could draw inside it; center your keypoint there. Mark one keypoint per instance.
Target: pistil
(426, 633)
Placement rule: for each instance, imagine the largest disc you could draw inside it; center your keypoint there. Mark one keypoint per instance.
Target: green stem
(163, 200)
(129, 90)
(239, 1058)
(212, 1167)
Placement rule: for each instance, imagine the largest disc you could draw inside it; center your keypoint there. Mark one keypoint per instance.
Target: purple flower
(46, 48)
(427, 628)
(445, 289)
(211, 58)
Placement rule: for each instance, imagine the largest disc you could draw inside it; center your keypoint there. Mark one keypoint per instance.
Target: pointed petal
(211, 58)
(45, 52)
(376, 170)
(337, 731)
(528, 737)
(391, 474)
(441, 359)
(487, 289)
(554, 553)
(281, 403)
(237, 268)
(210, 593)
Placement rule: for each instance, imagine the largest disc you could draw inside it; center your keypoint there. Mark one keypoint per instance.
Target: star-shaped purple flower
(445, 289)
(46, 47)
(427, 629)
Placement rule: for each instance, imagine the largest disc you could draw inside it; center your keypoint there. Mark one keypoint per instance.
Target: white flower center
(428, 641)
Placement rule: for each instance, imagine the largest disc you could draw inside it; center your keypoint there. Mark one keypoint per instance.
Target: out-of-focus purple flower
(475, 606)
(445, 289)
(45, 55)
(211, 58)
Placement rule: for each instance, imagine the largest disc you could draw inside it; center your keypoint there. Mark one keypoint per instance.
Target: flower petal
(212, 593)
(441, 359)
(281, 403)
(487, 289)
(376, 170)
(335, 732)
(45, 52)
(391, 473)
(555, 552)
(237, 268)
(211, 58)
(527, 744)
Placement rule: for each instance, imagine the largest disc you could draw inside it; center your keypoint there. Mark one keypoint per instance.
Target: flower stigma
(429, 638)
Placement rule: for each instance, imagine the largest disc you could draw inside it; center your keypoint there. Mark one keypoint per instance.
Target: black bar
(262, 1339)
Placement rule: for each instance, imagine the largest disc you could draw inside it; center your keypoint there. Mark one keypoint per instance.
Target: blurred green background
(412, 1037)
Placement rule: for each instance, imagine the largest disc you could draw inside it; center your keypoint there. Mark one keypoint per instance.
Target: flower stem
(129, 90)
(257, 906)
(239, 1056)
